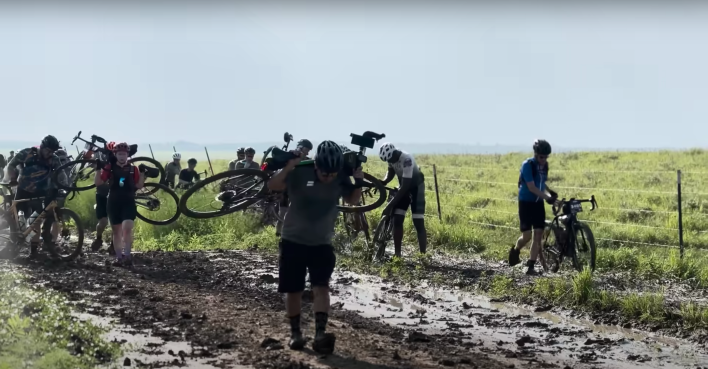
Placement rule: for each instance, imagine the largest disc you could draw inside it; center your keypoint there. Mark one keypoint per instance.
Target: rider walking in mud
(124, 179)
(306, 243)
(101, 205)
(533, 190)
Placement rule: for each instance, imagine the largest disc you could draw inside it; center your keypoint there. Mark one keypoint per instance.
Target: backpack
(534, 171)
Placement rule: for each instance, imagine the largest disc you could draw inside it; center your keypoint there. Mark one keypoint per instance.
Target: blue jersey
(532, 171)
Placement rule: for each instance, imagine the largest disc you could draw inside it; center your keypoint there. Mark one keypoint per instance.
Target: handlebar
(563, 203)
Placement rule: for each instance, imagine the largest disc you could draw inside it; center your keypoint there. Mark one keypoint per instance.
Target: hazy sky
(631, 76)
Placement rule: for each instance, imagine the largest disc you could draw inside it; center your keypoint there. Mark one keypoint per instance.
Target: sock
(295, 324)
(320, 324)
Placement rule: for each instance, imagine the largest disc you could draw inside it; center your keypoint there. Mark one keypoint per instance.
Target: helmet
(50, 142)
(192, 161)
(386, 151)
(61, 153)
(305, 143)
(250, 150)
(329, 158)
(541, 147)
(123, 146)
(111, 145)
(344, 148)
(176, 156)
(241, 150)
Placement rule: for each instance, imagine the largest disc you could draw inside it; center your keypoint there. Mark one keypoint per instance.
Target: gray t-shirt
(313, 206)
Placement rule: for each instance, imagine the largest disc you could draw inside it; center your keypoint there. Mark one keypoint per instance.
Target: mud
(221, 310)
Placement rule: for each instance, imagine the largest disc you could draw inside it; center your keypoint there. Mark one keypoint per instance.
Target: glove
(554, 197)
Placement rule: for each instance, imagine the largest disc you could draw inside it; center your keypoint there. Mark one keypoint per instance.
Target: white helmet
(176, 156)
(386, 151)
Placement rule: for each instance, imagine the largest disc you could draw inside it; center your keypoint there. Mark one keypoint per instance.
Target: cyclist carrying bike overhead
(240, 155)
(304, 146)
(188, 175)
(124, 179)
(35, 181)
(306, 243)
(172, 169)
(101, 206)
(533, 190)
(411, 193)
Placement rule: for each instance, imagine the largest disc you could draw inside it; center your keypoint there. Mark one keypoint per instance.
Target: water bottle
(21, 220)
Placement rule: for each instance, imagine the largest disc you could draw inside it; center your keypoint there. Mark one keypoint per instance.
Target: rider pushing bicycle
(35, 182)
(124, 179)
(411, 194)
(533, 190)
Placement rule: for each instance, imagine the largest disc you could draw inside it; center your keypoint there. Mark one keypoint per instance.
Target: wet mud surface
(222, 310)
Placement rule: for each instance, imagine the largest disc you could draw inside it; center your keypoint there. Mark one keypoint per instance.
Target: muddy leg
(118, 240)
(419, 224)
(127, 237)
(398, 232)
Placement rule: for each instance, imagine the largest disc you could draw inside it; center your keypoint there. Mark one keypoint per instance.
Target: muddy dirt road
(221, 310)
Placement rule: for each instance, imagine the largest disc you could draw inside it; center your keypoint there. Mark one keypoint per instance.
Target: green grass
(38, 331)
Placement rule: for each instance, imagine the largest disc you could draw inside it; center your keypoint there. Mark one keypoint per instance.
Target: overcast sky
(620, 76)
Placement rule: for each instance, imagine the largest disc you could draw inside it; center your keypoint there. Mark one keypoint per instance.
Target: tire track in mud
(225, 302)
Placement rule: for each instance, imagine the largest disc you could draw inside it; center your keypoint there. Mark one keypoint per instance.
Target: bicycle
(564, 228)
(14, 235)
(84, 168)
(252, 183)
(384, 230)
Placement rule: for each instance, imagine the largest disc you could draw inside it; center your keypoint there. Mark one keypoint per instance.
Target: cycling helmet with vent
(329, 158)
(305, 143)
(241, 150)
(50, 142)
(123, 146)
(250, 150)
(176, 156)
(111, 145)
(386, 151)
(542, 147)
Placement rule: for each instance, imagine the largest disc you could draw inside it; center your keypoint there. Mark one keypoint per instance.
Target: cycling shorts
(415, 200)
(121, 209)
(296, 260)
(101, 206)
(532, 215)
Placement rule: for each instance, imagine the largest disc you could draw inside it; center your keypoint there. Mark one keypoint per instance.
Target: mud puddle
(512, 331)
(143, 350)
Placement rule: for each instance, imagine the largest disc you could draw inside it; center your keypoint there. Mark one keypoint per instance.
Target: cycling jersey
(172, 170)
(537, 175)
(243, 164)
(188, 175)
(406, 167)
(122, 180)
(36, 171)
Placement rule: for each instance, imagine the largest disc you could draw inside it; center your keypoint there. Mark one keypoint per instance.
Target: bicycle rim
(70, 241)
(551, 248)
(81, 175)
(382, 236)
(370, 182)
(224, 193)
(585, 251)
(157, 204)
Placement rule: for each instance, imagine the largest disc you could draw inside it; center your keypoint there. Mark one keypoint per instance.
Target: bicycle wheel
(70, 241)
(585, 250)
(157, 204)
(382, 236)
(551, 248)
(370, 182)
(224, 193)
(81, 175)
(150, 163)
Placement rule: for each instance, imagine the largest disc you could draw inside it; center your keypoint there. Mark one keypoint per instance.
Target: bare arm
(403, 191)
(355, 196)
(141, 180)
(534, 190)
(390, 174)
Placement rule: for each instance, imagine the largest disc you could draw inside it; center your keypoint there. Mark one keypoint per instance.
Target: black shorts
(121, 209)
(532, 215)
(415, 200)
(296, 260)
(101, 206)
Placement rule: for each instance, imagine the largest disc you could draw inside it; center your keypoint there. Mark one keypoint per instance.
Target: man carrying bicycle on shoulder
(411, 193)
(172, 169)
(240, 156)
(35, 181)
(533, 191)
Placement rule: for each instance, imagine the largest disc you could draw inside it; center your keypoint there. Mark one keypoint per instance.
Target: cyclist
(304, 146)
(172, 169)
(33, 182)
(101, 205)
(188, 175)
(240, 155)
(12, 155)
(533, 190)
(124, 179)
(411, 193)
(308, 229)
(247, 161)
(3, 163)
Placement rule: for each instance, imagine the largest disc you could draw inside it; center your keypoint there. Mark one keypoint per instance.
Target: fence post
(680, 213)
(209, 160)
(173, 149)
(437, 192)
(153, 155)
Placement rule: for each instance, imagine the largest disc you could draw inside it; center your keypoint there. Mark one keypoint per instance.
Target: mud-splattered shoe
(34, 250)
(325, 344)
(514, 258)
(297, 341)
(96, 245)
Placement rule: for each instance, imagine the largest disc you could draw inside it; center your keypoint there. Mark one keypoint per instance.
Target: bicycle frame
(570, 223)
(37, 222)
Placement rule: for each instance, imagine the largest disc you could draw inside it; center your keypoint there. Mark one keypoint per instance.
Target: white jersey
(406, 168)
